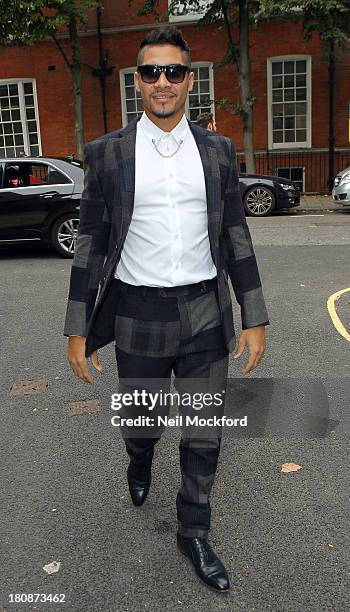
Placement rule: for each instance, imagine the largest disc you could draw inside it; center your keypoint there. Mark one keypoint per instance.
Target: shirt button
(176, 236)
(178, 266)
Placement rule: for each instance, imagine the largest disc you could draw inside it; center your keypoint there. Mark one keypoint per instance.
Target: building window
(295, 174)
(132, 105)
(188, 15)
(289, 101)
(19, 120)
(199, 100)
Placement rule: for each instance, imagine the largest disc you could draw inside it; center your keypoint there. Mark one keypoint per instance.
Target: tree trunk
(77, 88)
(244, 86)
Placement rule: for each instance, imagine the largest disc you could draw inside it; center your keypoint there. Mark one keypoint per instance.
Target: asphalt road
(284, 538)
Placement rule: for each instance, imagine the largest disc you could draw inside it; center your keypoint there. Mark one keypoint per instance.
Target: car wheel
(259, 201)
(64, 234)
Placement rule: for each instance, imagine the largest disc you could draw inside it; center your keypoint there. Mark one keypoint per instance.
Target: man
(206, 121)
(162, 203)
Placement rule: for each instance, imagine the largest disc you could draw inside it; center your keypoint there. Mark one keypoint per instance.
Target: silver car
(341, 187)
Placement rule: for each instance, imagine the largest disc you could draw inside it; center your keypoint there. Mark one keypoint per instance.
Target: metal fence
(308, 169)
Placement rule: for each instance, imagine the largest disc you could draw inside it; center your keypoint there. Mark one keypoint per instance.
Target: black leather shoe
(208, 566)
(139, 479)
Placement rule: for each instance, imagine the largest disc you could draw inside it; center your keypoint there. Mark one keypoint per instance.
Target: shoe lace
(203, 548)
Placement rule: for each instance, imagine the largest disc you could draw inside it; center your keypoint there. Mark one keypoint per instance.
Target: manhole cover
(28, 387)
(83, 407)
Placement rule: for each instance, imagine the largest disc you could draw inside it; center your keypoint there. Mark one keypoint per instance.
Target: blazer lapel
(125, 154)
(211, 168)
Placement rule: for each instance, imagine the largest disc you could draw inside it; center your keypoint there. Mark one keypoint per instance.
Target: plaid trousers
(175, 329)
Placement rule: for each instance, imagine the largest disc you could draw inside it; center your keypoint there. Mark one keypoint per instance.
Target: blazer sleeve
(90, 250)
(241, 261)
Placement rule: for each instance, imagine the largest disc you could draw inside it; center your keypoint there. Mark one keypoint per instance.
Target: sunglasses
(150, 73)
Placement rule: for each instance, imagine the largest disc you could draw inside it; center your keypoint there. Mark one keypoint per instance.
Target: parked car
(39, 200)
(262, 195)
(341, 187)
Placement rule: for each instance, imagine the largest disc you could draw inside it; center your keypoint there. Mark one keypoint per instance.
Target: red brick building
(288, 78)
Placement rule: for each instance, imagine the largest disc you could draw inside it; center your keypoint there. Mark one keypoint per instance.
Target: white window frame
(122, 72)
(211, 86)
(133, 69)
(22, 109)
(188, 16)
(290, 145)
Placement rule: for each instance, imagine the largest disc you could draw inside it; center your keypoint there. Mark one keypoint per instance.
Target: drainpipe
(104, 70)
(331, 72)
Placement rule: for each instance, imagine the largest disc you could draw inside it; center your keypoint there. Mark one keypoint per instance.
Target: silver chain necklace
(171, 154)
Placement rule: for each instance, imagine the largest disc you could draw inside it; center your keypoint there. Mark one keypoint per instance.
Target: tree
(226, 14)
(330, 20)
(28, 22)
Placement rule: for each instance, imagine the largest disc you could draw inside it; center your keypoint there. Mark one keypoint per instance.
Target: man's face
(164, 99)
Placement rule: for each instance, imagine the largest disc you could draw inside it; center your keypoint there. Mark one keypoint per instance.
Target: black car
(262, 195)
(39, 200)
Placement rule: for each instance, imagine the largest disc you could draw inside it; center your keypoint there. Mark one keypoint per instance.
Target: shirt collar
(153, 131)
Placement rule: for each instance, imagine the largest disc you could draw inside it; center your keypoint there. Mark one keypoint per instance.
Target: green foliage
(330, 19)
(26, 22)
(235, 108)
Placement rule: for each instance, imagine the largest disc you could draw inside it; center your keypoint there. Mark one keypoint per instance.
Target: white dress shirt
(167, 243)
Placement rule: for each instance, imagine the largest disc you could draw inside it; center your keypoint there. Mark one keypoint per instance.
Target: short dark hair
(203, 119)
(166, 35)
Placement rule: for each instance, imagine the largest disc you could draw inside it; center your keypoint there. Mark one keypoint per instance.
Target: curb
(318, 210)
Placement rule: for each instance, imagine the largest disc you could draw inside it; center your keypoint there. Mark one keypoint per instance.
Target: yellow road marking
(333, 313)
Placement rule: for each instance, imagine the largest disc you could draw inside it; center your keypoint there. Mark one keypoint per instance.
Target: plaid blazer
(106, 210)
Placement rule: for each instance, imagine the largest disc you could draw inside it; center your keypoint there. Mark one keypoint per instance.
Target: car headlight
(345, 178)
(287, 187)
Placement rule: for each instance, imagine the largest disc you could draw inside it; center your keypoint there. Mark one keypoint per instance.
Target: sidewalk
(318, 203)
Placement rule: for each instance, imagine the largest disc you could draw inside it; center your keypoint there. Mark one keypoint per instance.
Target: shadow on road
(33, 250)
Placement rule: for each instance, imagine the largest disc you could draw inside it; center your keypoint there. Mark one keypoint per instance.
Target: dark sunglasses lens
(149, 73)
(176, 74)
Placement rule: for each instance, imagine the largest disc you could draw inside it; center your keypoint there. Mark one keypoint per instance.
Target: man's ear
(136, 81)
(190, 81)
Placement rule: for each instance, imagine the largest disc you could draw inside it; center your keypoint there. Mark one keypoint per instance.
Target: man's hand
(78, 361)
(254, 338)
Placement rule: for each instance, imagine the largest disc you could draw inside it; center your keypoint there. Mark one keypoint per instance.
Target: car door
(29, 190)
